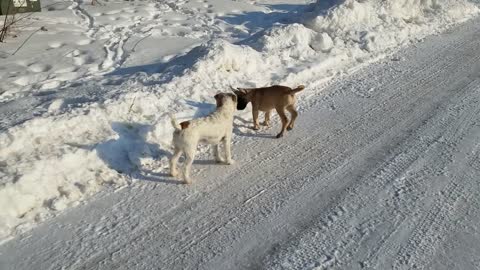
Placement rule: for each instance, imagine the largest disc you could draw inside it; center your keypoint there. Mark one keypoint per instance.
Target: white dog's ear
(219, 100)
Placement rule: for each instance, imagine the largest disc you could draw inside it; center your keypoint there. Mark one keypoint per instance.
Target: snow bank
(51, 162)
(377, 25)
(47, 166)
(340, 35)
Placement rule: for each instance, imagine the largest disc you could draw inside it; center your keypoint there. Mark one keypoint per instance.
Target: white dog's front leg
(228, 153)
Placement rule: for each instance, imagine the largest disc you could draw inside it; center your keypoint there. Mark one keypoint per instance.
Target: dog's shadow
(156, 177)
(206, 162)
(238, 129)
(258, 135)
(125, 153)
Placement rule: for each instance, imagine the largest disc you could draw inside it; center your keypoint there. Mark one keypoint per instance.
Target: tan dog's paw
(255, 127)
(267, 124)
(279, 135)
(187, 181)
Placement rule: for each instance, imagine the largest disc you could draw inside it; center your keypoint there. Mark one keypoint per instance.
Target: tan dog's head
(224, 98)
(244, 97)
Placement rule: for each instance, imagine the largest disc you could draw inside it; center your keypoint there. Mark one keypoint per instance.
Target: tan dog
(265, 99)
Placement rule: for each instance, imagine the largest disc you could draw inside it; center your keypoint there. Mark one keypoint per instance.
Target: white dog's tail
(174, 122)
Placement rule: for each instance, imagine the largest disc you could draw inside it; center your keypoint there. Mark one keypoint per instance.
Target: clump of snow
(323, 42)
(290, 40)
(224, 56)
(56, 106)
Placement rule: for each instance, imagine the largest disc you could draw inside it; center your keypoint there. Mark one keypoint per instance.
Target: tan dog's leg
(294, 115)
(284, 119)
(173, 162)
(267, 119)
(256, 126)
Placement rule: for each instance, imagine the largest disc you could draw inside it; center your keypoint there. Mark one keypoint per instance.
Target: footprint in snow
(38, 67)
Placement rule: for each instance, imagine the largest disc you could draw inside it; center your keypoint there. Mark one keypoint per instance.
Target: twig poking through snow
(26, 40)
(131, 106)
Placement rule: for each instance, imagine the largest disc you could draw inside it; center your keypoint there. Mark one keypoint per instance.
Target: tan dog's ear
(243, 91)
(219, 100)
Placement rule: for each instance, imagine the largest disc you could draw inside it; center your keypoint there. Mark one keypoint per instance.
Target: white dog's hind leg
(173, 162)
(190, 155)
(227, 142)
(216, 153)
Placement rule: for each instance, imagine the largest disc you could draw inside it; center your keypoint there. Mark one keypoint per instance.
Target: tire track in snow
(439, 219)
(396, 168)
(417, 185)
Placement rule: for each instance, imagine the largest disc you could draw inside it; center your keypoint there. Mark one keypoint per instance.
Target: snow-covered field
(83, 104)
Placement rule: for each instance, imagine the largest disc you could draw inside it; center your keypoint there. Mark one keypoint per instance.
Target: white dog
(213, 129)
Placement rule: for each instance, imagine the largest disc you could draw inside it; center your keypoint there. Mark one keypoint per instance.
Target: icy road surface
(381, 172)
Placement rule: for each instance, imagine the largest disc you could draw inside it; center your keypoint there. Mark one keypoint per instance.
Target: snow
(378, 179)
(99, 83)
(374, 26)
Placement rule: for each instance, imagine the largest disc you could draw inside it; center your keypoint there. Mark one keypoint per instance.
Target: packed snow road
(381, 172)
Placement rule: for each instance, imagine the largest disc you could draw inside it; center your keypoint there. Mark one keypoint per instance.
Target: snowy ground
(84, 110)
(386, 177)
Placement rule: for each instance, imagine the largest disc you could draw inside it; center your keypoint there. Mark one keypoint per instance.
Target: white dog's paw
(188, 181)
(230, 162)
(219, 160)
(174, 174)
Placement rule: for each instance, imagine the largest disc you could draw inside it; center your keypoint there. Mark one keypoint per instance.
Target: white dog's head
(226, 100)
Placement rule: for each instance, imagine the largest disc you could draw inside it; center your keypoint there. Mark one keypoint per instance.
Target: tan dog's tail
(174, 122)
(298, 89)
